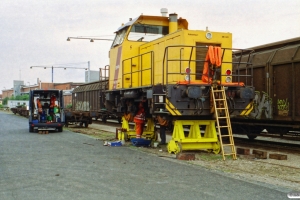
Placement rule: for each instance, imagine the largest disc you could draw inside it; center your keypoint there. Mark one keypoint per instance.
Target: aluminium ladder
(221, 108)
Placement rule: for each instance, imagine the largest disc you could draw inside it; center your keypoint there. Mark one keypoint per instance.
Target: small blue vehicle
(46, 111)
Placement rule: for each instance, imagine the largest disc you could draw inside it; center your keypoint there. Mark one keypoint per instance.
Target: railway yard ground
(284, 173)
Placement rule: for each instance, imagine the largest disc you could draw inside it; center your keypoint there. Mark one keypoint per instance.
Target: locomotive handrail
(103, 84)
(247, 63)
(234, 51)
(106, 75)
(151, 68)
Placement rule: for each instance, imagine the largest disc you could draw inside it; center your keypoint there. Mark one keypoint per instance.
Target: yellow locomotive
(172, 70)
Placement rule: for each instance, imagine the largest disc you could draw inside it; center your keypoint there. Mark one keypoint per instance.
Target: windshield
(119, 36)
(142, 32)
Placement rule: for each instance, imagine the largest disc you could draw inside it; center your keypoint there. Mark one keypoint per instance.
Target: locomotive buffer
(222, 114)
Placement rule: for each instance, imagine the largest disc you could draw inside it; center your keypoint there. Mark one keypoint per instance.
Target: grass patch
(98, 134)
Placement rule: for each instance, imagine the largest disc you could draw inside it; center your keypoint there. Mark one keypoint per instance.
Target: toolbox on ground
(140, 142)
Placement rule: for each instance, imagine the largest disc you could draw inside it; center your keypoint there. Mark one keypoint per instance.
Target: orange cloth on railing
(213, 57)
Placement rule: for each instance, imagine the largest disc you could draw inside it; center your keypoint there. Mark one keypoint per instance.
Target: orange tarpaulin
(213, 57)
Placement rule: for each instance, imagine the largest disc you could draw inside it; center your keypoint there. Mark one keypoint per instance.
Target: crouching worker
(139, 120)
(163, 123)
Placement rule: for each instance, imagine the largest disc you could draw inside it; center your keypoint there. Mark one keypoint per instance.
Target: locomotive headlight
(187, 71)
(228, 79)
(187, 77)
(208, 35)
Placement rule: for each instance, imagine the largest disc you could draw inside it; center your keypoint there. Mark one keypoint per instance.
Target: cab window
(119, 38)
(143, 32)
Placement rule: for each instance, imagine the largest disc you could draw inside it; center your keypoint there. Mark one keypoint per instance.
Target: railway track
(283, 144)
(266, 144)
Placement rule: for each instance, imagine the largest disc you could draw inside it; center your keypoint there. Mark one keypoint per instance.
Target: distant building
(17, 87)
(21, 89)
(15, 103)
(94, 76)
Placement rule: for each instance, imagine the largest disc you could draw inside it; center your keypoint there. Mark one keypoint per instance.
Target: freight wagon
(88, 104)
(21, 110)
(276, 72)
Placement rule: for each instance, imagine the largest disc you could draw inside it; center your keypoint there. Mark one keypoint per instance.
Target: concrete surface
(72, 166)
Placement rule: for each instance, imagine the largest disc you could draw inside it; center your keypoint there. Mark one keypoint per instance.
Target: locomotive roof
(182, 21)
(95, 85)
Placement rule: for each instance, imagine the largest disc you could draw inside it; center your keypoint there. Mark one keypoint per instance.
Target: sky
(35, 32)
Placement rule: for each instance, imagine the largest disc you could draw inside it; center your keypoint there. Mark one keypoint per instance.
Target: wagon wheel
(251, 137)
(278, 130)
(251, 131)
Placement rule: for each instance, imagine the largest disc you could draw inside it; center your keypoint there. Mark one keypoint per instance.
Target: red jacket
(140, 116)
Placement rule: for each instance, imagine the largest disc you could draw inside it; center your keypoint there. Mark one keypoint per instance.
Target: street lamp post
(91, 40)
(52, 69)
(86, 38)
